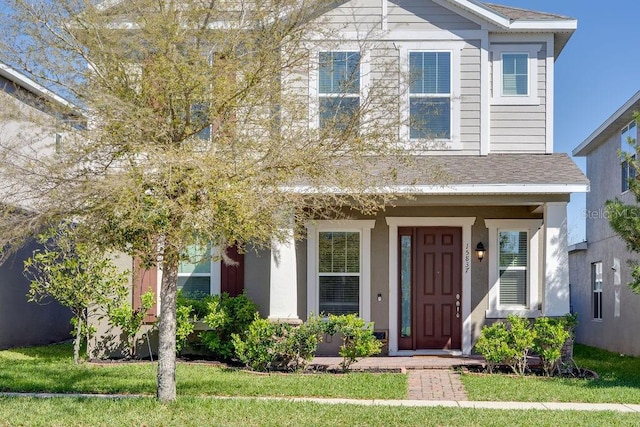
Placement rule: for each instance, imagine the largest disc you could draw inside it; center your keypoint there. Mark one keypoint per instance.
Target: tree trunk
(167, 330)
(76, 342)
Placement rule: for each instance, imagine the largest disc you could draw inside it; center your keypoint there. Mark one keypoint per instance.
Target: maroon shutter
(143, 280)
(232, 276)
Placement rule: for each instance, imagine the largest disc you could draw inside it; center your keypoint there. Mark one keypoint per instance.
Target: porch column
(283, 284)
(556, 256)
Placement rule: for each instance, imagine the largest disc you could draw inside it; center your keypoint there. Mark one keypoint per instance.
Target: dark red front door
(435, 292)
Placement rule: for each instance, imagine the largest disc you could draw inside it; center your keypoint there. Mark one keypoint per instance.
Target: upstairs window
(430, 95)
(338, 89)
(200, 120)
(515, 74)
(628, 138)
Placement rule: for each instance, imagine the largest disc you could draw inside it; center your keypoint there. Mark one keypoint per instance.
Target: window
(596, 285)
(627, 147)
(338, 267)
(58, 142)
(338, 89)
(430, 95)
(200, 120)
(198, 275)
(339, 272)
(513, 261)
(515, 74)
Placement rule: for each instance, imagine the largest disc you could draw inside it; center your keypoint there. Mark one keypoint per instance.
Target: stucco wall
(24, 323)
(617, 331)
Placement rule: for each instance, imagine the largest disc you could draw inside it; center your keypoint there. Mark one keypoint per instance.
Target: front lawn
(247, 412)
(51, 369)
(619, 382)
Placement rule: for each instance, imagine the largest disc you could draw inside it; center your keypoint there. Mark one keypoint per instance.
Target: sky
(597, 72)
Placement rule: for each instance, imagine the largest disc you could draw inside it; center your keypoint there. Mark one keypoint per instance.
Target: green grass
(619, 382)
(241, 412)
(51, 369)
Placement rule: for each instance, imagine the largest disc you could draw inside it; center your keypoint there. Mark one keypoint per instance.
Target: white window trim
(465, 223)
(365, 76)
(313, 278)
(593, 291)
(215, 277)
(532, 51)
(533, 228)
(455, 48)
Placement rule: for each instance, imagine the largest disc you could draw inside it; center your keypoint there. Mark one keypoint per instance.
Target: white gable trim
(452, 189)
(30, 85)
(475, 11)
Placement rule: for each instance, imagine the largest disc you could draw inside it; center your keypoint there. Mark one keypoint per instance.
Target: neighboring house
(413, 268)
(22, 323)
(608, 310)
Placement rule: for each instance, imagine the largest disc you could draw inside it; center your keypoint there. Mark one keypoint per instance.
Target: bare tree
(200, 128)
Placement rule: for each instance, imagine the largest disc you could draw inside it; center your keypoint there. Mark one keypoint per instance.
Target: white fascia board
(36, 88)
(545, 25)
(453, 189)
(107, 4)
(579, 151)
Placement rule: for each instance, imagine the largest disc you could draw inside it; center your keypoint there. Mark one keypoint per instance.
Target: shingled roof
(518, 14)
(496, 169)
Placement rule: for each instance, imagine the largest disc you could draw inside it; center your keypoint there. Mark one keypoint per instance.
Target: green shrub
(185, 324)
(255, 350)
(270, 346)
(130, 321)
(549, 337)
(521, 341)
(226, 316)
(357, 338)
(493, 345)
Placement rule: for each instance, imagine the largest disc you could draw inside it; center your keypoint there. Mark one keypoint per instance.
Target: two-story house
(435, 267)
(599, 273)
(25, 119)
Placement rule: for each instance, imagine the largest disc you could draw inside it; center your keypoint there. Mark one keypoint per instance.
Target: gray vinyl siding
(470, 103)
(425, 15)
(359, 14)
(522, 128)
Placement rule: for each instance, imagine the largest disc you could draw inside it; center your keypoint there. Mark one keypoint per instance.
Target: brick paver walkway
(430, 377)
(435, 384)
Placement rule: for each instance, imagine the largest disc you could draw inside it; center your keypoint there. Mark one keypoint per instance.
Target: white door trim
(465, 223)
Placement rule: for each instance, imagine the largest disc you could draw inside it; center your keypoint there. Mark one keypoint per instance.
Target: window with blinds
(430, 95)
(596, 283)
(515, 74)
(513, 262)
(339, 89)
(339, 272)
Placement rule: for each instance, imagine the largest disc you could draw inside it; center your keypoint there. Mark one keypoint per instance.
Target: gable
(419, 15)
(425, 15)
